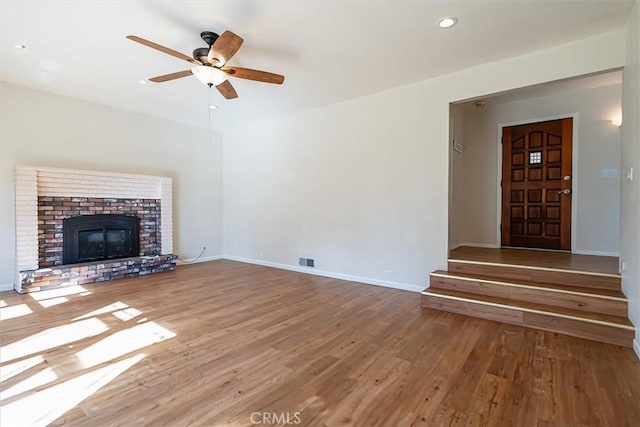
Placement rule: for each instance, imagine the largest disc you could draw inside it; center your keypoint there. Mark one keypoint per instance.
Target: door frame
(574, 173)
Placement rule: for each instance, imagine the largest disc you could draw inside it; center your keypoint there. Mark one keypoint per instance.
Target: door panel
(536, 185)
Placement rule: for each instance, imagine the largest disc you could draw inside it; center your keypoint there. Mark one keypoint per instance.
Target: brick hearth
(94, 272)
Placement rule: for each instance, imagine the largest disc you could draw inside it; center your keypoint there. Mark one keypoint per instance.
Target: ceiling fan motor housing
(209, 37)
(201, 53)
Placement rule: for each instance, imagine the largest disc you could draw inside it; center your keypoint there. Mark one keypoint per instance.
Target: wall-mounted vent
(306, 262)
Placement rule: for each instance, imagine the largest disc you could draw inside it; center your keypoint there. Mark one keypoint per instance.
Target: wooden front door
(536, 185)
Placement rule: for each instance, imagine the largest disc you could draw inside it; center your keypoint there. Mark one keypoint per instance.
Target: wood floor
(225, 343)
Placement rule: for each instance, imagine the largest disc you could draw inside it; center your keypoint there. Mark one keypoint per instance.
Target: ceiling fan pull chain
(209, 109)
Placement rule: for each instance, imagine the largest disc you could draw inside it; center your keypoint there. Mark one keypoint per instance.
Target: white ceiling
(329, 51)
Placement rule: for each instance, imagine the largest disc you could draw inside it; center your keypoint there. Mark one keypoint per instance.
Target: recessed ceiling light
(213, 107)
(142, 82)
(20, 46)
(447, 22)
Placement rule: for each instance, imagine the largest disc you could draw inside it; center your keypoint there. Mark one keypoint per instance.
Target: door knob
(565, 191)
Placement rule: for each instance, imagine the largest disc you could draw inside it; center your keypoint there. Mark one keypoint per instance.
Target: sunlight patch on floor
(59, 292)
(127, 314)
(41, 378)
(13, 369)
(46, 303)
(3, 303)
(118, 305)
(44, 407)
(52, 337)
(38, 394)
(123, 342)
(14, 311)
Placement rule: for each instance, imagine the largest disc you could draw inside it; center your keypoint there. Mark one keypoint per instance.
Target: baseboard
(341, 276)
(636, 347)
(597, 253)
(6, 287)
(201, 259)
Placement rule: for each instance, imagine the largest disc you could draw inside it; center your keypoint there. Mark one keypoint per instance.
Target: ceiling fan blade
(172, 76)
(166, 50)
(224, 48)
(227, 90)
(257, 75)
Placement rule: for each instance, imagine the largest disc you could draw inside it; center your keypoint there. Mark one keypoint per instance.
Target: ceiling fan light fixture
(209, 75)
(447, 22)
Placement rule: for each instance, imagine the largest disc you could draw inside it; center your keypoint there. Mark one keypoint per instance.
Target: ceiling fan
(210, 63)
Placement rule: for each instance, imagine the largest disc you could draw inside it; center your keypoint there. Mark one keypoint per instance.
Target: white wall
(630, 190)
(42, 129)
(456, 176)
(597, 200)
(345, 185)
(362, 186)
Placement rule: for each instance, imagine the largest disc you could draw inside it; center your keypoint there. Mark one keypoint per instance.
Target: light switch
(630, 174)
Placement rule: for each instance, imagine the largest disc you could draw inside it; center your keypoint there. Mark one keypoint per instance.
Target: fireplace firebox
(99, 237)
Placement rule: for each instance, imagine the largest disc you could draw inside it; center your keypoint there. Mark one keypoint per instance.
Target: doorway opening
(563, 186)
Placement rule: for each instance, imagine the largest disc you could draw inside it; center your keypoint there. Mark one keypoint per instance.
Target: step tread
(592, 291)
(534, 267)
(540, 259)
(577, 314)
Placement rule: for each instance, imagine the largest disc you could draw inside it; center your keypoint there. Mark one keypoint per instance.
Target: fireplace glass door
(90, 244)
(100, 237)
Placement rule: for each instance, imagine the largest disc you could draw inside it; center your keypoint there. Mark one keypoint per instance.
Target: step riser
(540, 296)
(542, 276)
(547, 322)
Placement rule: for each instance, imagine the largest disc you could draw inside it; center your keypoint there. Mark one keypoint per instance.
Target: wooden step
(573, 297)
(595, 326)
(540, 258)
(534, 273)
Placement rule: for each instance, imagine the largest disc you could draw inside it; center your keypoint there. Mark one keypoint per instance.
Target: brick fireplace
(47, 199)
